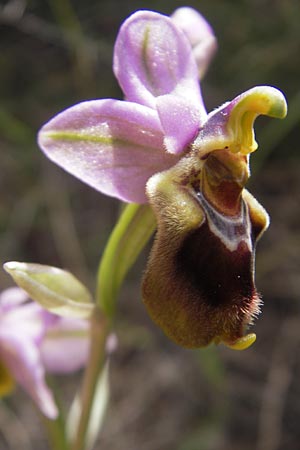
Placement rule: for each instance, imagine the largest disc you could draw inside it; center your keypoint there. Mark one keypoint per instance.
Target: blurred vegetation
(55, 53)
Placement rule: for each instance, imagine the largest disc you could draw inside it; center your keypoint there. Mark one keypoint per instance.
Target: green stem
(56, 433)
(128, 238)
(100, 328)
(130, 235)
(56, 429)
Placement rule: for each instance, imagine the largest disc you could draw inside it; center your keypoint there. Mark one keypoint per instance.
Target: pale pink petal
(152, 58)
(25, 320)
(22, 359)
(113, 146)
(199, 34)
(65, 347)
(180, 121)
(12, 297)
(111, 343)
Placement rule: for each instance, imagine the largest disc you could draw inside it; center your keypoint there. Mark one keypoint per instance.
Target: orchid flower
(33, 342)
(161, 146)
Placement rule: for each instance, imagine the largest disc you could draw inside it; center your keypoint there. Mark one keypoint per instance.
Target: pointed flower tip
(48, 407)
(11, 265)
(261, 100)
(242, 343)
(278, 107)
(264, 100)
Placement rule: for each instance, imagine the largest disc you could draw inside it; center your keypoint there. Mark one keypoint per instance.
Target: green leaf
(54, 289)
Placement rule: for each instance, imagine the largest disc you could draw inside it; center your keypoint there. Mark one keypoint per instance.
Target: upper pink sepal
(199, 34)
(153, 57)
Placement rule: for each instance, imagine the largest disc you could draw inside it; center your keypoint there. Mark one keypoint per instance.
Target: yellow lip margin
(261, 100)
(242, 343)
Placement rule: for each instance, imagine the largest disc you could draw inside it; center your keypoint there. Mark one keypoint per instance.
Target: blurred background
(55, 53)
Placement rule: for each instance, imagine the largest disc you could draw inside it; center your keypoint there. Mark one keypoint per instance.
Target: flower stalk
(130, 235)
(127, 240)
(56, 432)
(100, 328)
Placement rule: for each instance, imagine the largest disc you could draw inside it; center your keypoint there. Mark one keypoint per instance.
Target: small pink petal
(199, 34)
(180, 120)
(25, 319)
(22, 359)
(113, 146)
(12, 297)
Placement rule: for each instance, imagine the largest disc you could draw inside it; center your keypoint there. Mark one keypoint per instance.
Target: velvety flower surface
(161, 146)
(199, 284)
(33, 342)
